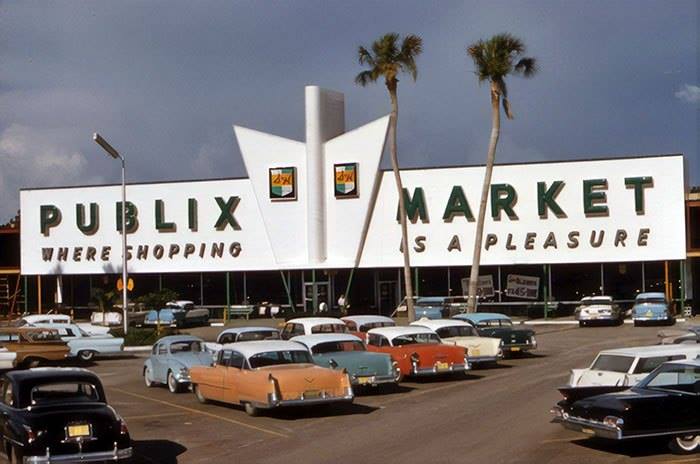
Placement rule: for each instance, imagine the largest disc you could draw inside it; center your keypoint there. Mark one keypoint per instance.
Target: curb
(627, 321)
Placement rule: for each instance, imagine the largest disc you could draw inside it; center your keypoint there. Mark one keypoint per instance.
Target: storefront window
(622, 281)
(571, 282)
(432, 281)
(265, 286)
(186, 285)
(361, 299)
(654, 276)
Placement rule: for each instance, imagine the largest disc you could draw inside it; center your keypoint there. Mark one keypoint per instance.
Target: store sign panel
(589, 211)
(586, 211)
(521, 286)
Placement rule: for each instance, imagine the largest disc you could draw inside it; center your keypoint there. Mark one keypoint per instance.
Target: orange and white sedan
(269, 374)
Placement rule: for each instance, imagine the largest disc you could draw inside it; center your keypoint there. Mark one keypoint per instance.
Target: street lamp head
(106, 146)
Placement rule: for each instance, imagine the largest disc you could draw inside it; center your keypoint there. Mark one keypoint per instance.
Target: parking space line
(155, 416)
(201, 413)
(557, 440)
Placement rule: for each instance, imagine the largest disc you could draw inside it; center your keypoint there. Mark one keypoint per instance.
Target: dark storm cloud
(164, 81)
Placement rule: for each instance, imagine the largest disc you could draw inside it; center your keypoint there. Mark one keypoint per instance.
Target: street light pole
(125, 275)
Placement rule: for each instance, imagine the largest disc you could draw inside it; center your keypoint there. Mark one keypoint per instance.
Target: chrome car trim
(115, 454)
(433, 370)
(300, 402)
(374, 380)
(482, 359)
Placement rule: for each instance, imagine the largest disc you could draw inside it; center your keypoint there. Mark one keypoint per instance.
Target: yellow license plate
(515, 348)
(310, 394)
(441, 366)
(364, 380)
(475, 351)
(649, 314)
(588, 431)
(82, 430)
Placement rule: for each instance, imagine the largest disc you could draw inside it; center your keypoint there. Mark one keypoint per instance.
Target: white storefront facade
(309, 213)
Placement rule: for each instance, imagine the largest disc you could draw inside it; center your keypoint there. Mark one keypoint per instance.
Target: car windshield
(495, 323)
(676, 377)
(273, 358)
(65, 392)
(612, 363)
(373, 325)
(258, 335)
(456, 331)
(411, 339)
(186, 346)
(651, 300)
(332, 347)
(329, 328)
(596, 301)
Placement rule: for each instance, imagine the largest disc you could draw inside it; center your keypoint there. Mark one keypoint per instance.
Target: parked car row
(314, 360)
(637, 393)
(651, 307)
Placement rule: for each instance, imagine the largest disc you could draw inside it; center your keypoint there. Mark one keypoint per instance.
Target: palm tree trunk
(408, 284)
(490, 158)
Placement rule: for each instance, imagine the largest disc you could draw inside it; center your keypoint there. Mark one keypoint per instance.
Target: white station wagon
(312, 325)
(627, 366)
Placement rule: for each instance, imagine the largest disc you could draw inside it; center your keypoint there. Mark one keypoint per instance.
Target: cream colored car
(461, 333)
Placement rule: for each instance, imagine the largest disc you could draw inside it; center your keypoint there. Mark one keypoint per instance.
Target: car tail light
(123, 429)
(32, 434)
(613, 421)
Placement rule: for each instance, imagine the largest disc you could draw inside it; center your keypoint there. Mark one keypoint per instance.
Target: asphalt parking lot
(497, 415)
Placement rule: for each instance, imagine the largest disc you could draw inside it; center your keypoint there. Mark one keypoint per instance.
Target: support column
(38, 293)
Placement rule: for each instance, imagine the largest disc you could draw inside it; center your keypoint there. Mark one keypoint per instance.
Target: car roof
(238, 330)
(478, 317)
(367, 318)
(651, 295)
(393, 332)
(596, 297)
(180, 302)
(435, 324)
(655, 350)
(178, 338)
(53, 374)
(431, 299)
(313, 321)
(315, 339)
(32, 317)
(249, 349)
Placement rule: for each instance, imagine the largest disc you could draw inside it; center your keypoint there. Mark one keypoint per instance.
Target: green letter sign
(593, 199)
(457, 205)
(415, 207)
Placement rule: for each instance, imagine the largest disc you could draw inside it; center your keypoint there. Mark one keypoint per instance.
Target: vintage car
(181, 313)
(627, 366)
(650, 308)
(499, 325)
(171, 359)
(36, 319)
(430, 307)
(664, 404)
(50, 415)
(312, 325)
(689, 334)
(348, 352)
(479, 349)
(33, 345)
(359, 325)
(85, 346)
(418, 351)
(598, 309)
(269, 374)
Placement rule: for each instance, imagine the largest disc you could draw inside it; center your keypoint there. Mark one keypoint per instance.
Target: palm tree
(387, 59)
(495, 59)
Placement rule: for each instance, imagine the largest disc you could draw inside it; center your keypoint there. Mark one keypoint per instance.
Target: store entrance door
(316, 297)
(388, 296)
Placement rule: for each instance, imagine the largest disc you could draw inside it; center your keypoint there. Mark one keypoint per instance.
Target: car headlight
(613, 421)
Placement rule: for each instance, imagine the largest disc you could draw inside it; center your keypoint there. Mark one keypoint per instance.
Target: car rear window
(273, 358)
(646, 365)
(329, 328)
(258, 335)
(457, 331)
(69, 392)
(333, 347)
(613, 363)
(373, 325)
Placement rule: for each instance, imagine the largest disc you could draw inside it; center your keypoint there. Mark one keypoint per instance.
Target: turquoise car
(650, 308)
(345, 351)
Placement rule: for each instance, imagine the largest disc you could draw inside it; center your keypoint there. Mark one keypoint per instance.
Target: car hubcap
(171, 382)
(147, 377)
(689, 442)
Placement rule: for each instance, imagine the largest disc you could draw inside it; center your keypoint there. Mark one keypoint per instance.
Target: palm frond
(527, 66)
(364, 56)
(388, 60)
(365, 77)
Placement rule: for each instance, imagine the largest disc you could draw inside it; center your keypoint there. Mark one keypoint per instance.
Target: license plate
(514, 348)
(441, 366)
(82, 430)
(588, 431)
(475, 352)
(364, 380)
(649, 314)
(312, 394)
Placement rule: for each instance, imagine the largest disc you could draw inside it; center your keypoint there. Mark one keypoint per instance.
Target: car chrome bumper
(433, 370)
(275, 403)
(483, 359)
(652, 318)
(600, 317)
(115, 454)
(590, 427)
(520, 347)
(371, 380)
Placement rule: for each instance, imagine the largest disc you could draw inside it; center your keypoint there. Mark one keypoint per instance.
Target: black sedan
(52, 415)
(664, 404)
